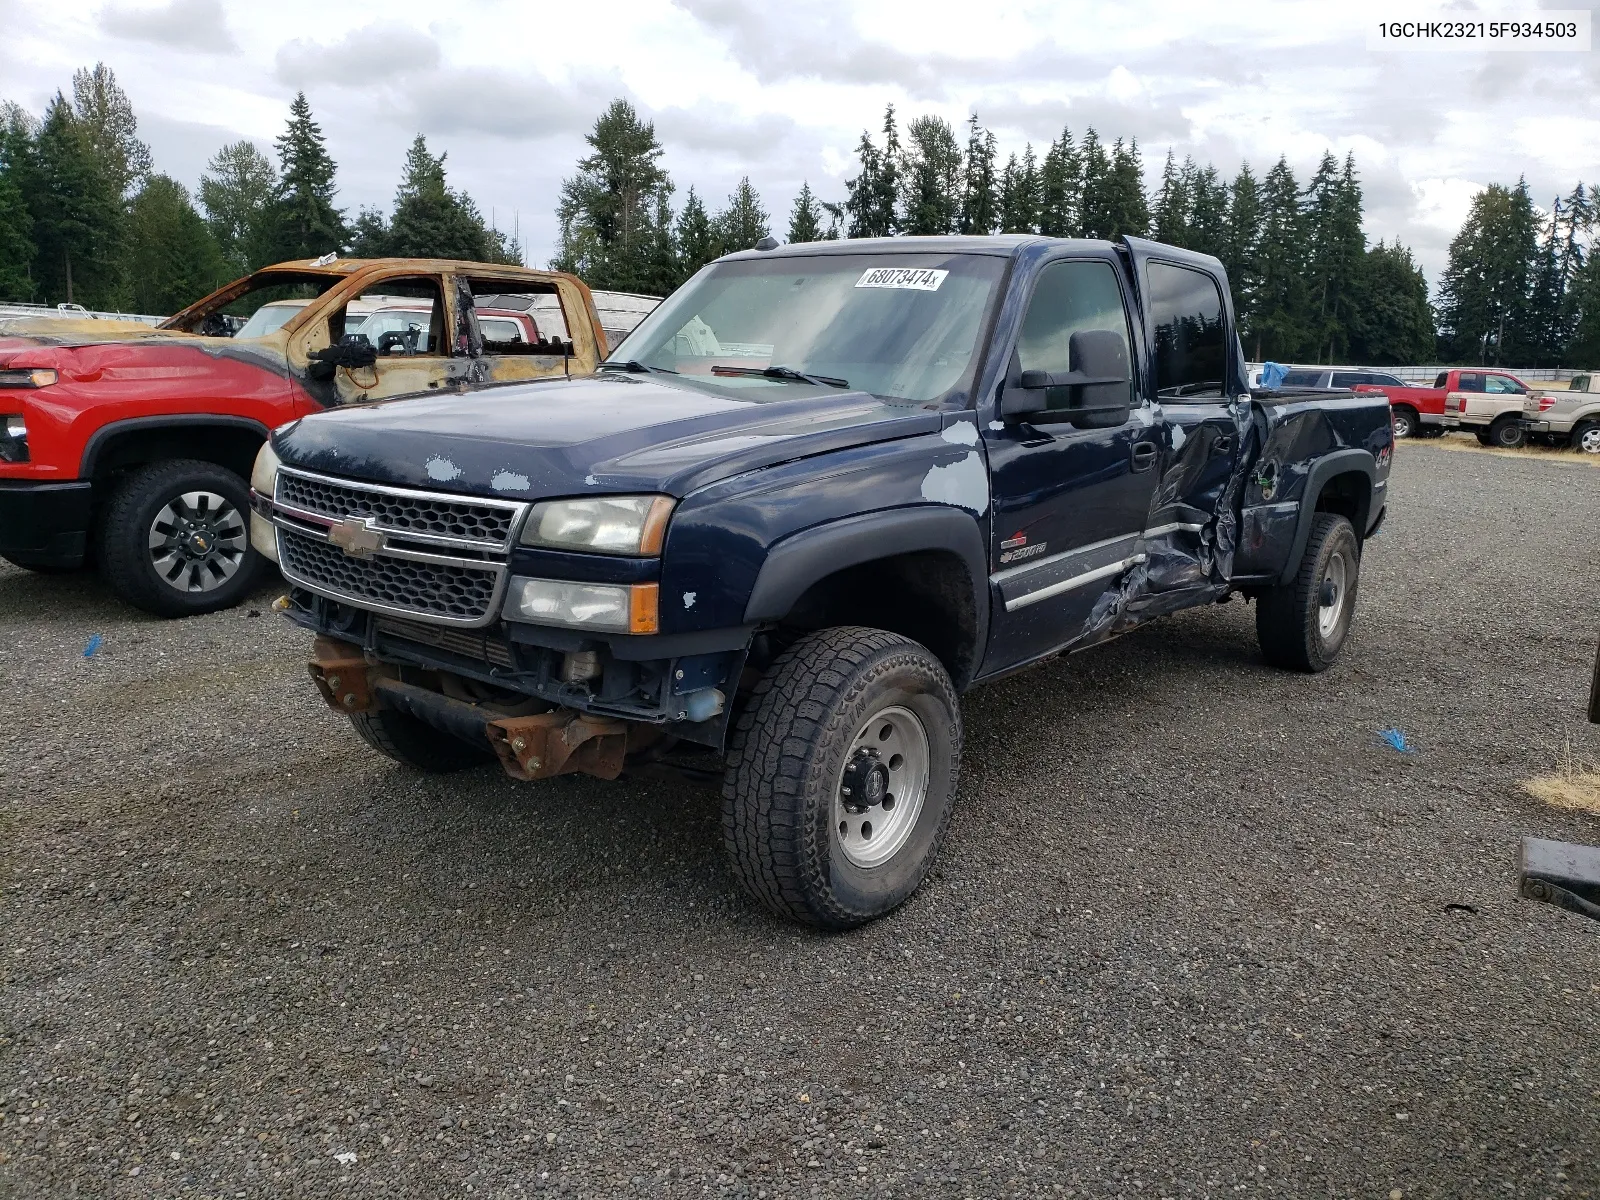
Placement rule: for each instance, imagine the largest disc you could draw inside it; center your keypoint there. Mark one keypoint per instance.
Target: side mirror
(1094, 394)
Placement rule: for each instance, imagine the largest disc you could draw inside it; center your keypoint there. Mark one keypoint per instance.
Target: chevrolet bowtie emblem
(356, 537)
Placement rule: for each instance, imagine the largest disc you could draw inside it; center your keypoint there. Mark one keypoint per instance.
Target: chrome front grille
(430, 517)
(452, 592)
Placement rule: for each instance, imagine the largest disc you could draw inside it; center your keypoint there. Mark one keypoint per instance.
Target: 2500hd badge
(781, 525)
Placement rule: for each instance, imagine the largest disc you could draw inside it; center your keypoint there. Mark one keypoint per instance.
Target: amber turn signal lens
(644, 607)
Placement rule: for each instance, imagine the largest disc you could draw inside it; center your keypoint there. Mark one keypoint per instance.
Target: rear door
(1070, 500)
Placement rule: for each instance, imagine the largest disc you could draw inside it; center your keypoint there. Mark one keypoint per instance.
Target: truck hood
(17, 332)
(566, 437)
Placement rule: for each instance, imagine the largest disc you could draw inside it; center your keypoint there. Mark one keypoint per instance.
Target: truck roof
(1001, 245)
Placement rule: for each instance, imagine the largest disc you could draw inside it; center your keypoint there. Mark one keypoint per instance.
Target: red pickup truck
(130, 447)
(1486, 401)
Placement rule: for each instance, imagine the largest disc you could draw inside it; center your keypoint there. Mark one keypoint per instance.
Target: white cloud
(180, 24)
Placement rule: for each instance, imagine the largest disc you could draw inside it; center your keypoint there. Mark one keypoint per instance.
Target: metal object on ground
(558, 743)
(1562, 873)
(340, 673)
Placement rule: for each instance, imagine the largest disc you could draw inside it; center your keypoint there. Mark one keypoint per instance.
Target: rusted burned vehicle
(129, 446)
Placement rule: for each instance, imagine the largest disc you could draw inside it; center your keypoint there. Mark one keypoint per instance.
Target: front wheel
(1507, 433)
(416, 744)
(841, 777)
(176, 539)
(1586, 437)
(1303, 624)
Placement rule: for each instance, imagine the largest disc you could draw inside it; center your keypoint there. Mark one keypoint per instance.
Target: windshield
(269, 318)
(904, 326)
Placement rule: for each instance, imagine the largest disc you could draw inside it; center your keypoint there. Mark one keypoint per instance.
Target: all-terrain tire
(1483, 437)
(1404, 421)
(786, 766)
(416, 744)
(1586, 437)
(1292, 623)
(129, 562)
(1508, 433)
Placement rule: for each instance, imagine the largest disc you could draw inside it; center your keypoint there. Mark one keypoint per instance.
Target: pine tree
(607, 209)
(17, 177)
(172, 258)
(696, 237)
(888, 193)
(744, 222)
(236, 192)
(1392, 321)
(979, 205)
(107, 117)
(663, 270)
(1059, 185)
(305, 223)
(432, 220)
(805, 219)
(78, 218)
(861, 193)
(1128, 211)
(1485, 293)
(1169, 221)
(1019, 194)
(1335, 244)
(1279, 326)
(1208, 213)
(1241, 251)
(931, 178)
(1096, 220)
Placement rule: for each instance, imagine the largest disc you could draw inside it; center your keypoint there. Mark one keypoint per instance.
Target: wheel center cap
(865, 783)
(198, 543)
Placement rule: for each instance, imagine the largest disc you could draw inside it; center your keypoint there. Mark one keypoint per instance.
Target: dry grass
(1468, 443)
(1574, 785)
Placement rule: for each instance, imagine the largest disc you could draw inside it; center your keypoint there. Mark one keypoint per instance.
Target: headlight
(28, 377)
(14, 443)
(604, 525)
(265, 476)
(603, 607)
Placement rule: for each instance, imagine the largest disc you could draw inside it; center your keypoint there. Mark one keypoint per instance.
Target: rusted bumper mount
(560, 742)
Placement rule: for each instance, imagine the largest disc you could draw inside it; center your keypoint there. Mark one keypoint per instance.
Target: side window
(1073, 297)
(1501, 385)
(1302, 378)
(519, 316)
(1344, 379)
(1378, 377)
(1471, 381)
(401, 318)
(1190, 342)
(1443, 378)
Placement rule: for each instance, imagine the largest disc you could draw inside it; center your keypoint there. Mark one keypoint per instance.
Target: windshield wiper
(784, 373)
(635, 366)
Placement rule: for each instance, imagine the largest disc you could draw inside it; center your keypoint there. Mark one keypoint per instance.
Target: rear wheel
(841, 776)
(416, 744)
(1483, 437)
(1302, 625)
(1507, 433)
(1403, 420)
(175, 540)
(1586, 437)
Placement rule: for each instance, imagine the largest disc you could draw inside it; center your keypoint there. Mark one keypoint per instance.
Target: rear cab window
(1190, 339)
(1470, 381)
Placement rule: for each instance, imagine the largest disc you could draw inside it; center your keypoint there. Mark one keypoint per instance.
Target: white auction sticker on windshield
(915, 279)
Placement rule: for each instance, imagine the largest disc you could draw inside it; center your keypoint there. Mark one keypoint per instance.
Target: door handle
(1222, 445)
(1144, 455)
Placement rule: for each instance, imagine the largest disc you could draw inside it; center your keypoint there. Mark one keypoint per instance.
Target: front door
(1070, 500)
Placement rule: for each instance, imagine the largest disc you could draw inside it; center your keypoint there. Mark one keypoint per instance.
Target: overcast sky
(781, 89)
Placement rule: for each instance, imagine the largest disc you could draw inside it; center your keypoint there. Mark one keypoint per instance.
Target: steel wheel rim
(868, 831)
(1589, 443)
(198, 541)
(1330, 614)
(1402, 425)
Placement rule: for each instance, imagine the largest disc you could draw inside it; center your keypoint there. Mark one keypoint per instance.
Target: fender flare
(800, 560)
(102, 437)
(1340, 462)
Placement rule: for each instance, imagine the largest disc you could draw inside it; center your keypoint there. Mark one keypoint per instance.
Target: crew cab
(818, 493)
(1486, 401)
(130, 446)
(1569, 418)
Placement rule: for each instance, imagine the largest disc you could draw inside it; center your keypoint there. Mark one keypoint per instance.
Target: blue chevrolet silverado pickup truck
(817, 494)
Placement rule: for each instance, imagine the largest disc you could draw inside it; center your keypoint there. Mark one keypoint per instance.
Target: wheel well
(925, 596)
(1349, 495)
(230, 446)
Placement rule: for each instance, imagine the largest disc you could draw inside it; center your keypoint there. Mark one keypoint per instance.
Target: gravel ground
(1196, 930)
